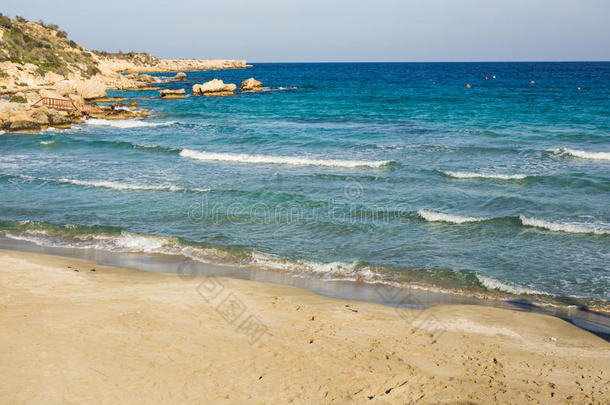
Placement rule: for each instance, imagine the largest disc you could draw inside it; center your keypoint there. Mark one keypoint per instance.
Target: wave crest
(493, 284)
(562, 227)
(432, 216)
(582, 154)
(281, 160)
(127, 123)
(471, 175)
(126, 186)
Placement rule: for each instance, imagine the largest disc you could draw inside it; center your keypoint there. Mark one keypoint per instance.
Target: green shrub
(18, 99)
(5, 21)
(91, 70)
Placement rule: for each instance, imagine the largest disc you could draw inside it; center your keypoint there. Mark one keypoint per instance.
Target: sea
(475, 178)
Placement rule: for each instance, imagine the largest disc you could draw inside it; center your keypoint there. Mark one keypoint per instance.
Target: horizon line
(472, 61)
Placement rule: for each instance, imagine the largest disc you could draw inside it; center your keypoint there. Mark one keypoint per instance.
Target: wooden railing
(67, 105)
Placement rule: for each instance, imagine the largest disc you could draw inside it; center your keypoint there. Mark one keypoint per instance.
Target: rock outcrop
(172, 93)
(91, 89)
(33, 57)
(23, 122)
(251, 85)
(22, 118)
(214, 87)
(38, 60)
(147, 78)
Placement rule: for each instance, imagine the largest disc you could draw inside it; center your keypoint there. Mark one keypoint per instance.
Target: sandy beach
(75, 332)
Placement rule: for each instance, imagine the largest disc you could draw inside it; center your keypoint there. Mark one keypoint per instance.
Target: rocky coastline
(67, 72)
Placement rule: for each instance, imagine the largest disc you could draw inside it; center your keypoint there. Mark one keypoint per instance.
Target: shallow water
(393, 172)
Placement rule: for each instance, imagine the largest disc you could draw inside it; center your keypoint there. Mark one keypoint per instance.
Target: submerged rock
(172, 93)
(251, 84)
(214, 87)
(180, 76)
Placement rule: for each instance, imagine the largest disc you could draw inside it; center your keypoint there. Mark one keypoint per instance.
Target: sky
(335, 30)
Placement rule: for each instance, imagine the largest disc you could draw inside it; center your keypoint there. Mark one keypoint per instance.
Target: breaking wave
(432, 216)
(471, 175)
(126, 186)
(493, 284)
(521, 220)
(582, 154)
(563, 226)
(22, 178)
(127, 123)
(281, 160)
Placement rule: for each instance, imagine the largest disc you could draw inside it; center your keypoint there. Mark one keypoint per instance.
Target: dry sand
(114, 336)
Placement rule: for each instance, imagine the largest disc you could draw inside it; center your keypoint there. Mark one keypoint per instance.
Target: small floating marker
(579, 89)
(533, 82)
(485, 77)
(468, 86)
(493, 77)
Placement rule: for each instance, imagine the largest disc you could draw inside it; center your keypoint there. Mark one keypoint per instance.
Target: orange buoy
(468, 86)
(485, 77)
(532, 82)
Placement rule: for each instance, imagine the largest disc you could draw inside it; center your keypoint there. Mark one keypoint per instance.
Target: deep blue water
(364, 171)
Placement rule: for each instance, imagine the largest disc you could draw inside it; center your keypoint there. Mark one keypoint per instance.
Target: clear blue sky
(335, 30)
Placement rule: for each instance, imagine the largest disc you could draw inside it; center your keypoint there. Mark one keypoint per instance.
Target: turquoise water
(372, 172)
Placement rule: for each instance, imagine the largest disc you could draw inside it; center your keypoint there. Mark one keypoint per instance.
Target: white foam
(36, 232)
(37, 240)
(568, 227)
(432, 216)
(282, 160)
(333, 270)
(582, 154)
(132, 242)
(471, 175)
(125, 186)
(493, 284)
(46, 142)
(127, 123)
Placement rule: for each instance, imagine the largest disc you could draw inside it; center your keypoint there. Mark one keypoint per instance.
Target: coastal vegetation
(45, 46)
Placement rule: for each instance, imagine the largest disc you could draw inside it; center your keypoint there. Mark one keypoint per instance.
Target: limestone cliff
(38, 59)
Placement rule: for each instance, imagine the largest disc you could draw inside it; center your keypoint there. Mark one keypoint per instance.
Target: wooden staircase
(67, 105)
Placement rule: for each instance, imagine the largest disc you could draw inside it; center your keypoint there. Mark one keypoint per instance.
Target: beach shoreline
(73, 328)
(415, 294)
